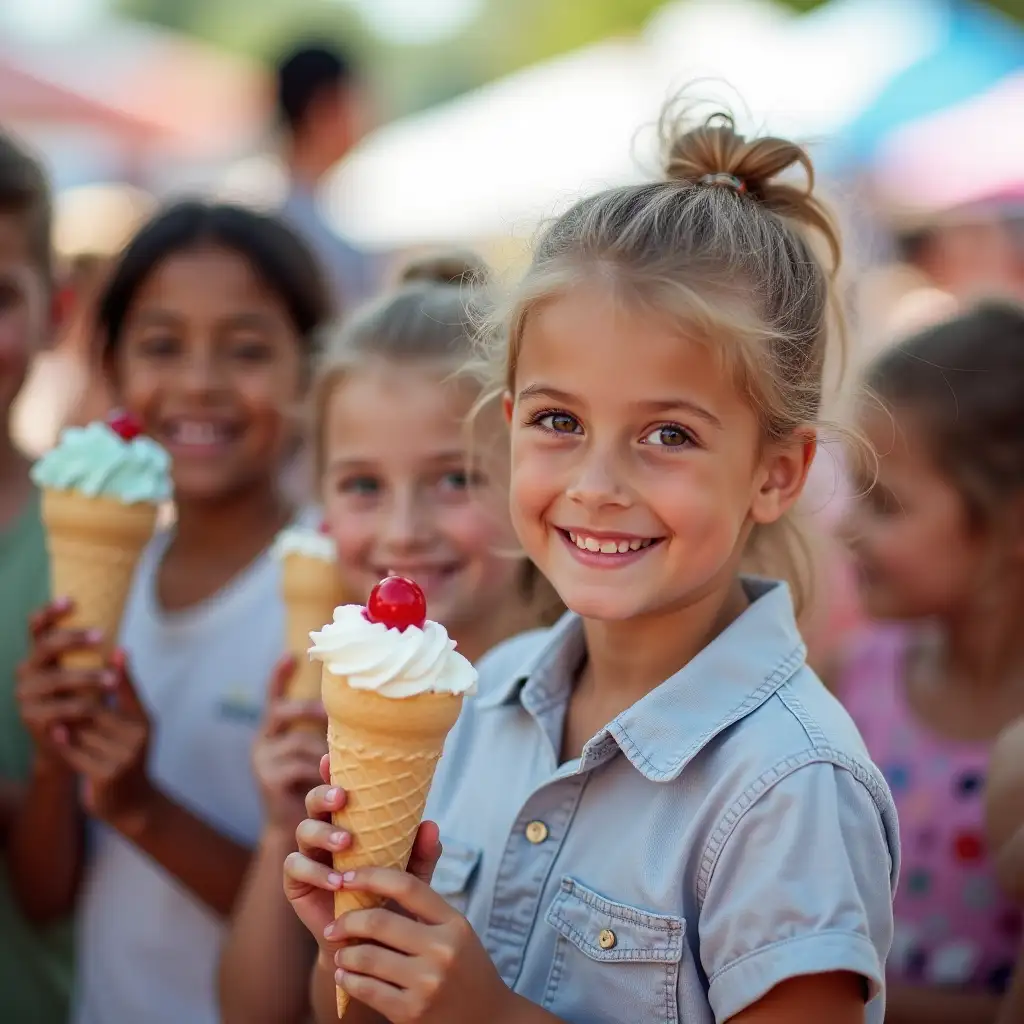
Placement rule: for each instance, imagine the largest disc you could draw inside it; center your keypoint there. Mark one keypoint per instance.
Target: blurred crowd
(296, 376)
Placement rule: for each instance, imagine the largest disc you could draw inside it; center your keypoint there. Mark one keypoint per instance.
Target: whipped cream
(302, 540)
(98, 462)
(391, 662)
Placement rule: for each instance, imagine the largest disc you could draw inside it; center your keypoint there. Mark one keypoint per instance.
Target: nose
(599, 481)
(202, 373)
(407, 524)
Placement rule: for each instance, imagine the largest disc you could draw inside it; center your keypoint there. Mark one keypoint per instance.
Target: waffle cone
(94, 544)
(383, 754)
(311, 592)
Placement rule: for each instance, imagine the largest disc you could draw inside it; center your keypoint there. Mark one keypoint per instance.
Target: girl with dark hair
(937, 535)
(207, 323)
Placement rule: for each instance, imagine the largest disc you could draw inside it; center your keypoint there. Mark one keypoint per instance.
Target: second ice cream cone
(94, 544)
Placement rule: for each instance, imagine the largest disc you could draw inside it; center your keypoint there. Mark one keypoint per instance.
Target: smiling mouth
(609, 546)
(199, 434)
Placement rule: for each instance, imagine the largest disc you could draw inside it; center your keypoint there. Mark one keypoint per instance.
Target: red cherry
(124, 424)
(397, 603)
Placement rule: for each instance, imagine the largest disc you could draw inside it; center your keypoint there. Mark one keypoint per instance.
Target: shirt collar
(660, 734)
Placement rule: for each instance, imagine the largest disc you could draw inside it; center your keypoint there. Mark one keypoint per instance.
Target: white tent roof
(494, 162)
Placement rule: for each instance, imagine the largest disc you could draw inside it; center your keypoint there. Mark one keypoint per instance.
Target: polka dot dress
(953, 925)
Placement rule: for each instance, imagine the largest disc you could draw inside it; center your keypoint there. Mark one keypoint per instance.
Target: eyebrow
(162, 317)
(441, 458)
(655, 405)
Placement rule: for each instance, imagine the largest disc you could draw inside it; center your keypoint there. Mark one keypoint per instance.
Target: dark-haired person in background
(35, 956)
(207, 323)
(321, 110)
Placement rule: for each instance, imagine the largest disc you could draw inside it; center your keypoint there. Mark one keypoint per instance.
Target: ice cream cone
(383, 754)
(311, 591)
(94, 544)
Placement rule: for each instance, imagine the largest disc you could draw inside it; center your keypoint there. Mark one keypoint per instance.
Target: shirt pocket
(612, 962)
(453, 874)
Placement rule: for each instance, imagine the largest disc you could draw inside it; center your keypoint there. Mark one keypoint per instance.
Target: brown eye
(669, 436)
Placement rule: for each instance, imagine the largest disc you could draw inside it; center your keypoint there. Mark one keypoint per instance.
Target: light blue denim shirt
(725, 833)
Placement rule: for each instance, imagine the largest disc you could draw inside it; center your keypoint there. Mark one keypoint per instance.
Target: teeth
(608, 547)
(198, 433)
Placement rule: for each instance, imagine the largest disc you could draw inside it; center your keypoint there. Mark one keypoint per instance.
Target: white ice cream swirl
(302, 540)
(391, 662)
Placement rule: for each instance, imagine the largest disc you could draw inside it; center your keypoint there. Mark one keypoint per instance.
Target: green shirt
(35, 963)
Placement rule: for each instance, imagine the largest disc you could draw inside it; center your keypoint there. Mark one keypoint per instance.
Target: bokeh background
(485, 116)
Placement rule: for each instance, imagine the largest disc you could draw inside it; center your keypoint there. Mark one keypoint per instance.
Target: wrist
(49, 769)
(135, 818)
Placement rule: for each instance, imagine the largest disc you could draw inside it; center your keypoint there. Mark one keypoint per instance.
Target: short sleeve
(802, 884)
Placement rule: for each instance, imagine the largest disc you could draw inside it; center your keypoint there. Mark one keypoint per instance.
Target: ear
(507, 405)
(784, 470)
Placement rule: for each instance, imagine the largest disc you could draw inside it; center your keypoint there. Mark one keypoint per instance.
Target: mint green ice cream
(97, 462)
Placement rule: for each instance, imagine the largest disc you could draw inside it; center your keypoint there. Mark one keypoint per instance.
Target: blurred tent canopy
(498, 159)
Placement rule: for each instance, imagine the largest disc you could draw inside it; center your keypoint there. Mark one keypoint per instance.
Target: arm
(910, 1004)
(265, 962)
(11, 796)
(208, 864)
(1004, 809)
(45, 875)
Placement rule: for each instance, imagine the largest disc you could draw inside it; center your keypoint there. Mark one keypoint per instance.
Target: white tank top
(147, 948)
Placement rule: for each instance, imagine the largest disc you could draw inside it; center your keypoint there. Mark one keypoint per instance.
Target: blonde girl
(654, 811)
(405, 489)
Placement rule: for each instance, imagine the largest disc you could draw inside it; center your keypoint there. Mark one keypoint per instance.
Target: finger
(49, 615)
(293, 775)
(409, 892)
(426, 852)
(322, 800)
(317, 837)
(97, 744)
(282, 715)
(280, 677)
(52, 644)
(127, 697)
(387, 1000)
(302, 873)
(376, 962)
(42, 683)
(59, 711)
(325, 767)
(396, 931)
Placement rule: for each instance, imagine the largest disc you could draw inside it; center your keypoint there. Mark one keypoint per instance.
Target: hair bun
(714, 155)
(455, 267)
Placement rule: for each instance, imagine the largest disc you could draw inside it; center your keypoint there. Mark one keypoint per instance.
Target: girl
(206, 323)
(938, 541)
(654, 811)
(401, 492)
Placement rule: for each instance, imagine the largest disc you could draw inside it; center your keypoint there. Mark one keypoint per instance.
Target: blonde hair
(731, 249)
(429, 317)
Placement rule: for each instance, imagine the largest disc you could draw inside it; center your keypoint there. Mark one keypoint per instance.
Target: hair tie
(725, 180)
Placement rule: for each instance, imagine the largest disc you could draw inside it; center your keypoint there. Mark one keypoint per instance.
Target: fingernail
(109, 679)
(338, 838)
(62, 603)
(333, 794)
(348, 876)
(94, 636)
(339, 976)
(334, 880)
(329, 931)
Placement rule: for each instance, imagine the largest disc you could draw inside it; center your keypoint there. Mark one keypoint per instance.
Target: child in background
(35, 967)
(653, 811)
(938, 541)
(402, 493)
(207, 322)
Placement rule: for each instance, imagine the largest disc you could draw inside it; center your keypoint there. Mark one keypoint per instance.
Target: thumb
(426, 851)
(127, 699)
(280, 677)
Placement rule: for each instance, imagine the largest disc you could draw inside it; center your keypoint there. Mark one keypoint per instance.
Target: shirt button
(536, 832)
(606, 939)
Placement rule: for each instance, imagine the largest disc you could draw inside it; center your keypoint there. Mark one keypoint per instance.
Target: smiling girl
(654, 811)
(206, 323)
(405, 489)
